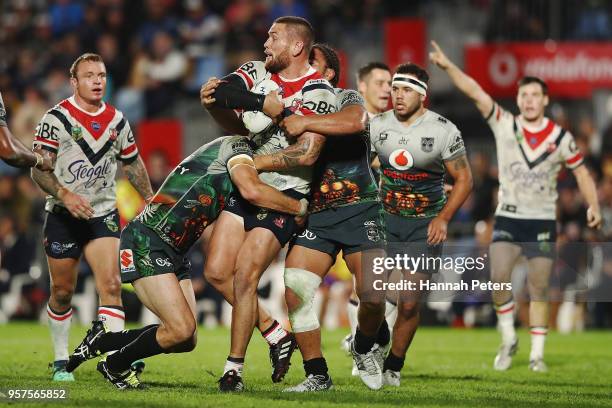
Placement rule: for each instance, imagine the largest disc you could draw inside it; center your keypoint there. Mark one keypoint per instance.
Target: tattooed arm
(459, 169)
(304, 152)
(78, 206)
(136, 173)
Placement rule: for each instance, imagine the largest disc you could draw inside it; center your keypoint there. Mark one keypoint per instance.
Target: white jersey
(87, 147)
(529, 163)
(307, 95)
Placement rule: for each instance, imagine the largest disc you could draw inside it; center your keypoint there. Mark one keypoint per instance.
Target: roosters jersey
(87, 146)
(310, 94)
(529, 163)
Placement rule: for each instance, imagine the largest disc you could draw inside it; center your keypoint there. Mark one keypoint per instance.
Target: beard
(278, 63)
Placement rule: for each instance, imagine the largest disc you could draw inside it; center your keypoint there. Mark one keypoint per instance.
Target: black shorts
(351, 228)
(408, 236)
(536, 237)
(282, 225)
(65, 236)
(143, 253)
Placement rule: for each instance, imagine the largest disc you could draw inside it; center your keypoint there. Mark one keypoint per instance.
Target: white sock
(114, 319)
(59, 324)
(351, 310)
(505, 319)
(390, 314)
(274, 334)
(233, 365)
(538, 338)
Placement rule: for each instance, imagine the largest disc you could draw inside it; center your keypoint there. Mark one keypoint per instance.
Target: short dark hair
(413, 69)
(533, 80)
(331, 59)
(369, 67)
(301, 26)
(89, 56)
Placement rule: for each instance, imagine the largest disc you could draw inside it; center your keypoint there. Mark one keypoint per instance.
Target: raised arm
(464, 82)
(587, 188)
(304, 152)
(246, 179)
(459, 169)
(136, 173)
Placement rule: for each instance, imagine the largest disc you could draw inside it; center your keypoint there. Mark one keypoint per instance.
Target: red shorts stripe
(112, 314)
(58, 317)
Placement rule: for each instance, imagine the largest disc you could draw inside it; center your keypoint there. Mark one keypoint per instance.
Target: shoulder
(439, 122)
(317, 84)
(348, 97)
(251, 72)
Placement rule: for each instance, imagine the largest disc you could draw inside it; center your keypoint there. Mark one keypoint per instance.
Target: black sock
(384, 335)
(239, 360)
(316, 366)
(115, 340)
(145, 345)
(393, 362)
(363, 343)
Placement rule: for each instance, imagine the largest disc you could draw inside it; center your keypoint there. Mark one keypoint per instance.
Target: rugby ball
(254, 121)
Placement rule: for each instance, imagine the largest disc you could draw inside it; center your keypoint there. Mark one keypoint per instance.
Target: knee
(407, 310)
(246, 281)
(372, 307)
(110, 286)
(62, 293)
(216, 276)
(301, 286)
(183, 332)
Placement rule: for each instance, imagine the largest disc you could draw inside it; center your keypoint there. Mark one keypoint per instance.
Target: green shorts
(408, 236)
(351, 228)
(142, 253)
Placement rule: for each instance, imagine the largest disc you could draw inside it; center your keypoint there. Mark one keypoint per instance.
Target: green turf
(444, 368)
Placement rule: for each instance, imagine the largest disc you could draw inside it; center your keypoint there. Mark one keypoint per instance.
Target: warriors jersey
(87, 147)
(194, 193)
(412, 162)
(342, 174)
(529, 163)
(307, 95)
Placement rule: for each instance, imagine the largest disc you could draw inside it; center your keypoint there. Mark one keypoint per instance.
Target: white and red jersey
(307, 95)
(87, 147)
(529, 162)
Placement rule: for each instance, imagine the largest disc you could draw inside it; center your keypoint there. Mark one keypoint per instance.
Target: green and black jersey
(194, 194)
(343, 175)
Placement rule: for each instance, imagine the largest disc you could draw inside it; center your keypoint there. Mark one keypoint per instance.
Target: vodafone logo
(503, 68)
(401, 159)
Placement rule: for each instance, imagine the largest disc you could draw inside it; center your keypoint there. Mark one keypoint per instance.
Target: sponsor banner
(405, 40)
(572, 70)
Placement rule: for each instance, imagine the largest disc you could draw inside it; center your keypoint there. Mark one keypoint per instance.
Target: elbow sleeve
(233, 95)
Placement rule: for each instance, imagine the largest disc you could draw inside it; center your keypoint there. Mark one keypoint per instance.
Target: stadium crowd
(177, 45)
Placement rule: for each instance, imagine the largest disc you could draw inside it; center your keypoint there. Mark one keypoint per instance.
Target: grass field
(444, 368)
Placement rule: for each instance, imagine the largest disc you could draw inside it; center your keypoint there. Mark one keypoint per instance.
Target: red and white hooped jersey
(87, 147)
(529, 164)
(309, 94)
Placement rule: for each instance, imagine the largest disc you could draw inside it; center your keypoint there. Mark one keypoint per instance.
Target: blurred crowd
(158, 52)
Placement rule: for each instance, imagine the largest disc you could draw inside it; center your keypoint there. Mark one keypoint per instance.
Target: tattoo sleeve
(303, 153)
(459, 163)
(136, 173)
(47, 181)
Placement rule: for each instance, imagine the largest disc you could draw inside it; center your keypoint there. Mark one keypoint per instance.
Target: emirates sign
(572, 70)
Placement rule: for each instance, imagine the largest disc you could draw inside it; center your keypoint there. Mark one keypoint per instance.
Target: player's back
(194, 194)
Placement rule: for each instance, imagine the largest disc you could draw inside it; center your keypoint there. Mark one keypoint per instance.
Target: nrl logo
(427, 144)
(77, 133)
